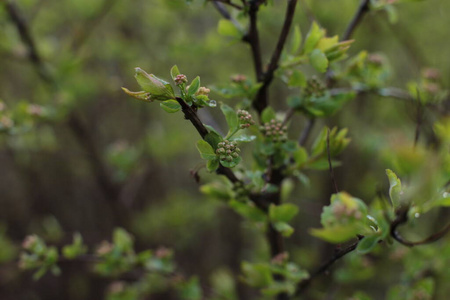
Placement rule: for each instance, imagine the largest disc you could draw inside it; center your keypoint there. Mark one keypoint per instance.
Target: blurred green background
(94, 159)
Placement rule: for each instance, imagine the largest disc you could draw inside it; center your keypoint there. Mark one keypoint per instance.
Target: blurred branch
(306, 131)
(402, 218)
(324, 267)
(80, 36)
(252, 38)
(363, 9)
(228, 2)
(26, 37)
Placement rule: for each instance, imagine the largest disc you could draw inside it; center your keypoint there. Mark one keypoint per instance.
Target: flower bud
(180, 79)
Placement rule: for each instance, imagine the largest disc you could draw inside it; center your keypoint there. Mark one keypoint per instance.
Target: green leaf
(257, 275)
(300, 156)
(170, 106)
(231, 117)
(213, 138)
(296, 40)
(282, 213)
(248, 210)
(336, 234)
(318, 60)
(190, 290)
(395, 189)
(206, 150)
(212, 164)
(313, 37)
(227, 28)
(297, 79)
(158, 88)
(122, 240)
(367, 244)
(268, 114)
(194, 86)
(283, 227)
(231, 164)
(174, 71)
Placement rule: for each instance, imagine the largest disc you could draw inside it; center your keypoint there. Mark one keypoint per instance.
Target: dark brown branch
(252, 38)
(224, 13)
(402, 218)
(363, 9)
(261, 100)
(333, 179)
(323, 268)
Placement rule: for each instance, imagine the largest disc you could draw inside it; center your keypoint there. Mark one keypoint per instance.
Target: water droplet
(416, 215)
(212, 103)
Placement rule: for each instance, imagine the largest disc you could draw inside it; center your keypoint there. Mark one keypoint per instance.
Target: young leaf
(193, 88)
(297, 79)
(268, 114)
(227, 28)
(283, 227)
(231, 117)
(313, 37)
(367, 244)
(170, 106)
(296, 40)
(174, 71)
(395, 189)
(318, 60)
(206, 150)
(282, 213)
(212, 164)
(213, 138)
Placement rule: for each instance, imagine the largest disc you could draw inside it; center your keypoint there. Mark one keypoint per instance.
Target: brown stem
(363, 9)
(228, 2)
(402, 218)
(261, 100)
(324, 267)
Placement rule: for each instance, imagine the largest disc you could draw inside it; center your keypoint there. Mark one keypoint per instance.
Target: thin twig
(333, 179)
(402, 217)
(324, 267)
(25, 34)
(224, 13)
(260, 102)
(253, 39)
(228, 2)
(306, 131)
(360, 13)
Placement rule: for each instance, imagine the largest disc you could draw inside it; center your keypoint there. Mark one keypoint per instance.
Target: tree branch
(252, 38)
(261, 100)
(357, 18)
(324, 267)
(228, 2)
(402, 217)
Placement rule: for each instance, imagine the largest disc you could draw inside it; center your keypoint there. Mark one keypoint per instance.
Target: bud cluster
(245, 119)
(275, 131)
(180, 79)
(238, 78)
(227, 151)
(314, 88)
(341, 211)
(203, 91)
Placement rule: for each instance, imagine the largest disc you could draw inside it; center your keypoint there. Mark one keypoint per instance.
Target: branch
(339, 254)
(27, 39)
(228, 2)
(224, 13)
(306, 131)
(360, 13)
(252, 38)
(402, 217)
(260, 102)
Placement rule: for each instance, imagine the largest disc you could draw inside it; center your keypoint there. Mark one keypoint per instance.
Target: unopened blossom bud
(238, 78)
(29, 242)
(203, 91)
(180, 79)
